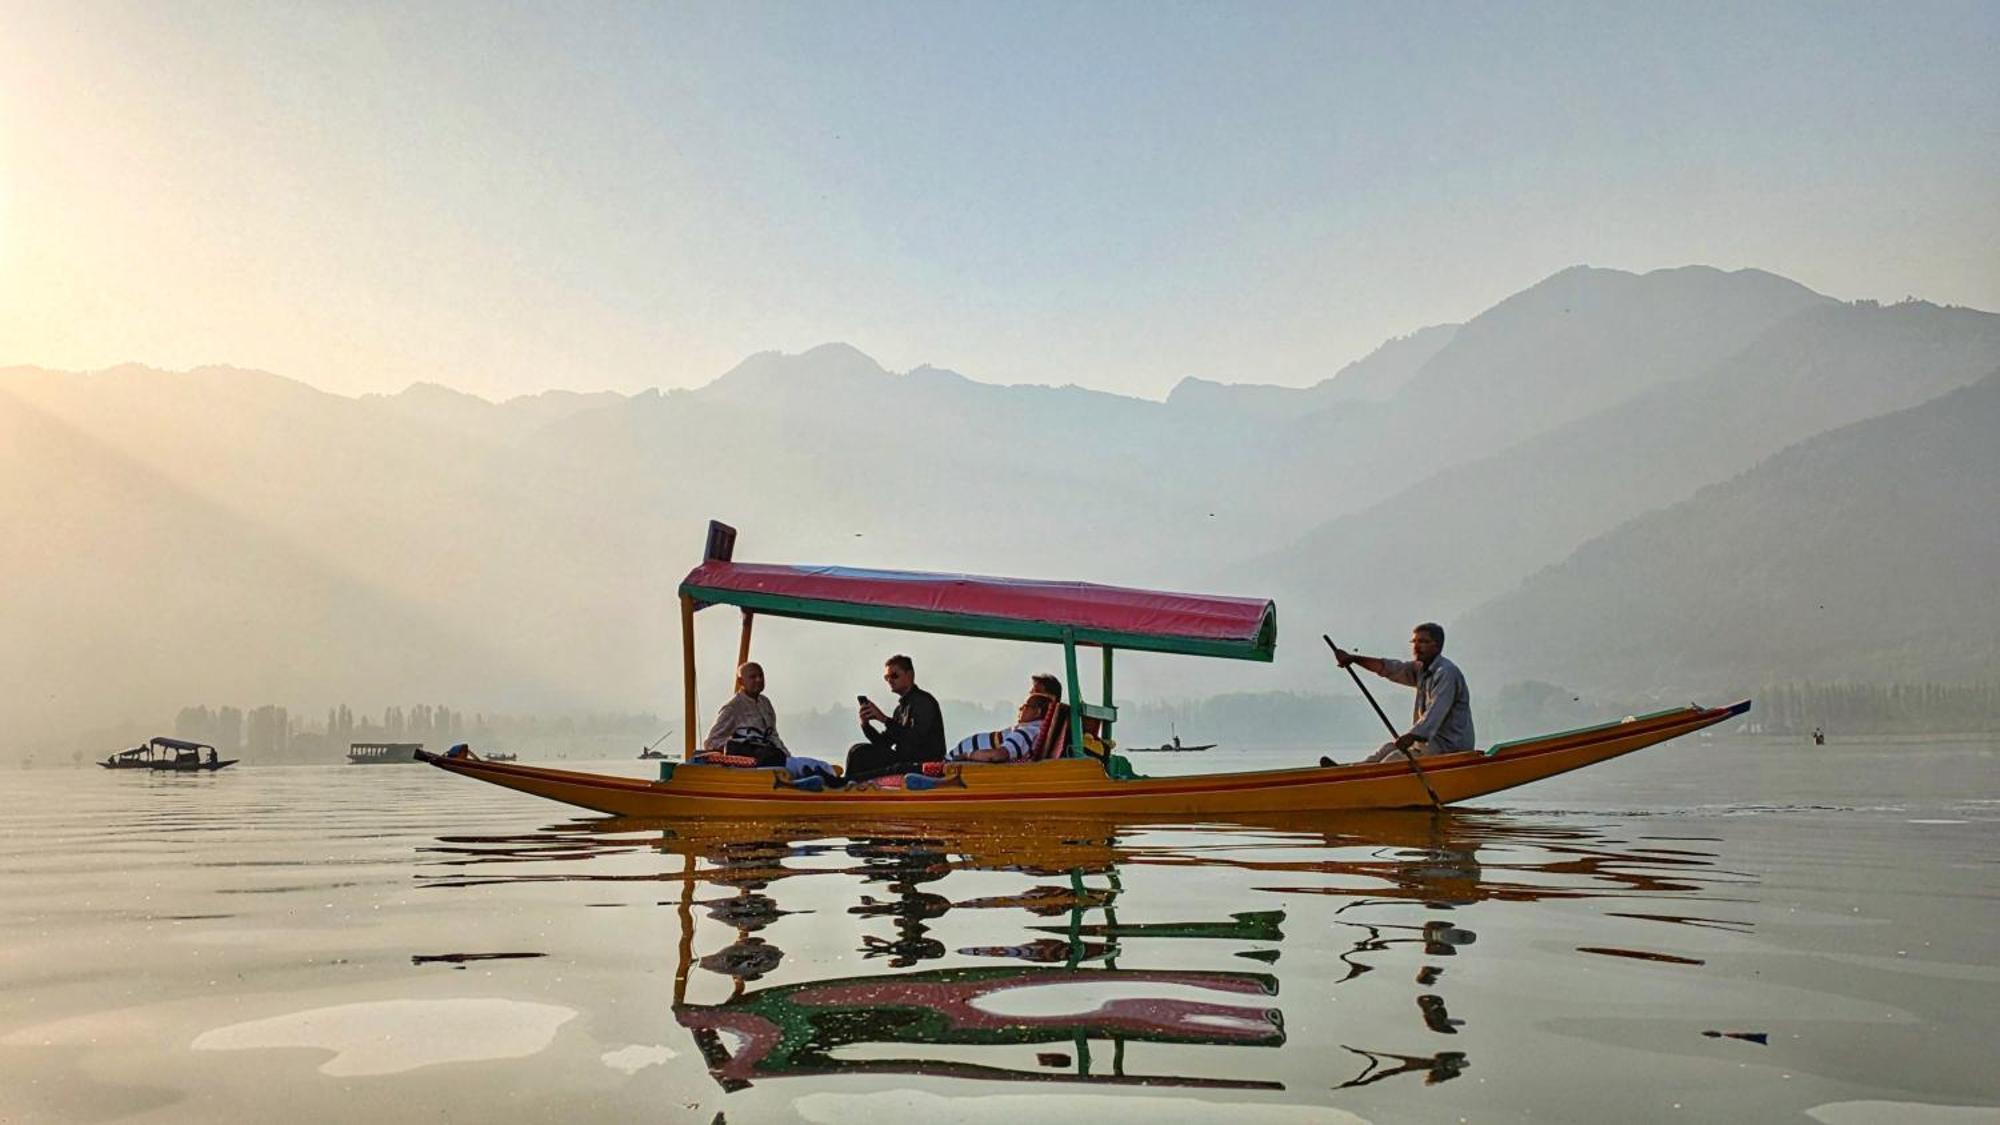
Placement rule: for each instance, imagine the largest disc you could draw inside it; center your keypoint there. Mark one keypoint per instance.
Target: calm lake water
(1708, 930)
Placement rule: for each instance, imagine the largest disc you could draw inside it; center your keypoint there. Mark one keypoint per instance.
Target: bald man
(748, 719)
(748, 725)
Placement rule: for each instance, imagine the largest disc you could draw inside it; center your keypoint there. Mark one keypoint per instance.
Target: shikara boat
(1082, 776)
(1172, 746)
(169, 755)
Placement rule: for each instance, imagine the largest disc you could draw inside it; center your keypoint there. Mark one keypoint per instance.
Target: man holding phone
(908, 738)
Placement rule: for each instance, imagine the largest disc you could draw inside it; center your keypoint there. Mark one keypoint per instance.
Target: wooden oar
(1379, 713)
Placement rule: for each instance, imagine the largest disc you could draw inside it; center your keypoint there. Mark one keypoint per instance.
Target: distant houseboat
(382, 753)
(170, 755)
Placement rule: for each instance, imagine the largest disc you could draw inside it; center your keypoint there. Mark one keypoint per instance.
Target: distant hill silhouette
(1372, 378)
(1864, 554)
(1501, 517)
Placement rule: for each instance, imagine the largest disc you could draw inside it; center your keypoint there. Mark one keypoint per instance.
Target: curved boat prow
(596, 791)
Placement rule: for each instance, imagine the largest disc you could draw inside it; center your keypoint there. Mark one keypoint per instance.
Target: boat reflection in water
(801, 1028)
(1081, 995)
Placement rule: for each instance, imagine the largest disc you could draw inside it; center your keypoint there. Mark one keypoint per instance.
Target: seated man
(1441, 721)
(913, 735)
(747, 726)
(1017, 742)
(1014, 744)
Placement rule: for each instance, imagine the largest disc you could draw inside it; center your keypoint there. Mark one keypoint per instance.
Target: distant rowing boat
(1173, 746)
(169, 755)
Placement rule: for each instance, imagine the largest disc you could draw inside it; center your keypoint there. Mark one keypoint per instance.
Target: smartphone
(861, 699)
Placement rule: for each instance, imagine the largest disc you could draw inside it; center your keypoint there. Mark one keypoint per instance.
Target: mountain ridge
(544, 534)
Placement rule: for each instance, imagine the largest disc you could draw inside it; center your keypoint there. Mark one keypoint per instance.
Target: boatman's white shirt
(1442, 717)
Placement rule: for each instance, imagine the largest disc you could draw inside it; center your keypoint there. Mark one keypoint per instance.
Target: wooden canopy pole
(743, 645)
(685, 963)
(687, 678)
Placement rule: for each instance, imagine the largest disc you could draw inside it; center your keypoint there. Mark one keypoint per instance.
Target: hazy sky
(507, 198)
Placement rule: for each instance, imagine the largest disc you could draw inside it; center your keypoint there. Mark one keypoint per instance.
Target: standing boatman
(1441, 722)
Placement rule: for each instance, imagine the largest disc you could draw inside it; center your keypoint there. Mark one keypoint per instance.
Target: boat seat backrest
(1055, 736)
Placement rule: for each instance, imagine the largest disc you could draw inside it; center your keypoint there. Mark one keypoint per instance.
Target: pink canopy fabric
(1087, 608)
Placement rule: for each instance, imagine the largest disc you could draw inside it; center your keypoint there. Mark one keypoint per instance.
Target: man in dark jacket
(908, 738)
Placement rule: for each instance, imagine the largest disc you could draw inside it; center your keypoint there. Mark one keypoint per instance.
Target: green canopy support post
(1111, 915)
(1108, 704)
(1076, 890)
(1075, 694)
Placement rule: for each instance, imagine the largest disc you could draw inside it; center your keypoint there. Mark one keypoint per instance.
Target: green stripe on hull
(1499, 746)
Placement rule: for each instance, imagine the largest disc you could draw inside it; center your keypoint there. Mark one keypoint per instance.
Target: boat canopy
(1078, 613)
(179, 744)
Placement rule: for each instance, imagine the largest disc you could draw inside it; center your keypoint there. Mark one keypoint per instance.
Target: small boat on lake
(169, 755)
(501, 756)
(1172, 746)
(1074, 772)
(383, 753)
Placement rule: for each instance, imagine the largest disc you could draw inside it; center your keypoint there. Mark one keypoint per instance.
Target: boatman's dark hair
(1433, 630)
(901, 661)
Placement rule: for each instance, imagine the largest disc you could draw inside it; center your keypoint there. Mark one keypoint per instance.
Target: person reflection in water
(905, 865)
(1441, 1067)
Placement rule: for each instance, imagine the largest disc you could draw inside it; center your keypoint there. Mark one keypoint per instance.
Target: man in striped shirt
(1018, 742)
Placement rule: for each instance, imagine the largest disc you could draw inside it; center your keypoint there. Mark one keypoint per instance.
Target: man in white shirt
(748, 715)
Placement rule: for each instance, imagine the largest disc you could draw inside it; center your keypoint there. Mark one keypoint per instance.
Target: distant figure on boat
(648, 752)
(1173, 745)
(1016, 743)
(1441, 721)
(1819, 737)
(910, 737)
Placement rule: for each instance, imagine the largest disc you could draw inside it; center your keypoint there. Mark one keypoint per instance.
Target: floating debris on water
(1640, 954)
(460, 959)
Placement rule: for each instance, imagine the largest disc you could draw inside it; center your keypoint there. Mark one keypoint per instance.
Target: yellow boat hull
(1080, 787)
